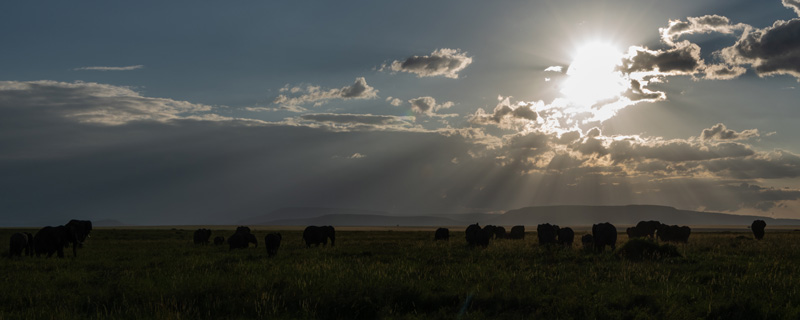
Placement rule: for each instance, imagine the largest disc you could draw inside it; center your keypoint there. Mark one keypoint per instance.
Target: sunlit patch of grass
(402, 274)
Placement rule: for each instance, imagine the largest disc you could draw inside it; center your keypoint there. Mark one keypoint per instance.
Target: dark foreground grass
(159, 274)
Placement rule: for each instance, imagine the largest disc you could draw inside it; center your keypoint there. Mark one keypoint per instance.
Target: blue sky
(153, 112)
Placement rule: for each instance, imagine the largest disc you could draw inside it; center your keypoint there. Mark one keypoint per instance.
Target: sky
(203, 112)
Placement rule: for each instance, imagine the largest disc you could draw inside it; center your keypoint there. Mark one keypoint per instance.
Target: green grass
(401, 274)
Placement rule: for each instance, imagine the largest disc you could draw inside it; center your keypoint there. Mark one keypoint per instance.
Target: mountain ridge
(565, 215)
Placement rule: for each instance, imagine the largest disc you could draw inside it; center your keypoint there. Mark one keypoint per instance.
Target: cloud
(353, 118)
(675, 150)
(314, 94)
(127, 68)
(97, 103)
(723, 72)
(720, 132)
(394, 101)
(346, 122)
(296, 109)
(353, 156)
(683, 59)
(777, 164)
(636, 93)
(427, 105)
(505, 114)
(704, 24)
(442, 62)
(770, 51)
(792, 4)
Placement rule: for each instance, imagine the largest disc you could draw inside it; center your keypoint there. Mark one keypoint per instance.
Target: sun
(592, 76)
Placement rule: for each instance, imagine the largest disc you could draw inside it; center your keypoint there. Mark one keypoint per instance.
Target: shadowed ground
(146, 273)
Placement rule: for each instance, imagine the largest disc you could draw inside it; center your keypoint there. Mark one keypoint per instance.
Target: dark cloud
(770, 51)
(682, 59)
(530, 140)
(592, 146)
(772, 165)
(675, 150)
(636, 93)
(427, 105)
(442, 62)
(720, 132)
(569, 136)
(563, 161)
(315, 95)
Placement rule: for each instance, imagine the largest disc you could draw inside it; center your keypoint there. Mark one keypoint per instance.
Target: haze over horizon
(203, 112)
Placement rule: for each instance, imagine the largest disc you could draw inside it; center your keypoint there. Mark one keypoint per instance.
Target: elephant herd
(243, 237)
(51, 240)
(602, 235)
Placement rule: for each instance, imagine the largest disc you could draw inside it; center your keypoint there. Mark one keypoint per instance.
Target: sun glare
(591, 77)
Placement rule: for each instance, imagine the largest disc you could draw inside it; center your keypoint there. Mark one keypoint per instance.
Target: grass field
(160, 274)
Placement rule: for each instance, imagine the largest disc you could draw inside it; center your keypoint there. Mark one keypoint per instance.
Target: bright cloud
(442, 62)
(317, 96)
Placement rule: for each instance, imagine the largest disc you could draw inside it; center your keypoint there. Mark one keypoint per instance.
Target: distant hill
(561, 215)
(365, 220)
(631, 214)
(295, 213)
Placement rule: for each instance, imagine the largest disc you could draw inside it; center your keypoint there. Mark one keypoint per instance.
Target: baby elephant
(219, 240)
(272, 241)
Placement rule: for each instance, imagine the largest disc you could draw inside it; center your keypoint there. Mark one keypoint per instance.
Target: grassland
(160, 274)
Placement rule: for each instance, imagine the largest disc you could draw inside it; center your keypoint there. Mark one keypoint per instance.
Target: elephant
(201, 236)
(547, 233)
(674, 233)
(517, 232)
(82, 229)
(272, 241)
(442, 234)
(218, 240)
(241, 239)
(476, 236)
(316, 235)
(636, 232)
(19, 242)
(647, 228)
(758, 228)
(243, 229)
(566, 236)
(588, 241)
(490, 230)
(500, 232)
(604, 234)
(50, 240)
